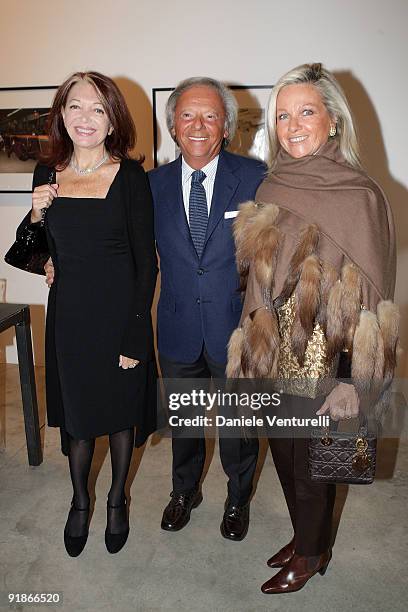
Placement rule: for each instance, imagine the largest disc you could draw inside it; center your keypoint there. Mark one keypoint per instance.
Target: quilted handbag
(342, 457)
(30, 250)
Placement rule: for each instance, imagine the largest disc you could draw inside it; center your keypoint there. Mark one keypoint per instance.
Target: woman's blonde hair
(333, 98)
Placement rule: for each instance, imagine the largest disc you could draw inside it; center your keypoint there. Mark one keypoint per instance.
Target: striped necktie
(198, 211)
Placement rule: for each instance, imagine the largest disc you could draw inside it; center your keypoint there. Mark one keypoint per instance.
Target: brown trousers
(310, 504)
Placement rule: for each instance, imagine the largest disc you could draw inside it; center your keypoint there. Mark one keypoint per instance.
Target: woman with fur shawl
(316, 254)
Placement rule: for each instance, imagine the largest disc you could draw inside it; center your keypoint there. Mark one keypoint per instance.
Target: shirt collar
(209, 170)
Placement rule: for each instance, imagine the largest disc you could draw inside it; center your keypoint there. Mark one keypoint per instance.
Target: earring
(333, 131)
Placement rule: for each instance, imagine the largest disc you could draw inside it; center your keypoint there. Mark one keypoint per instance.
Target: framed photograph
(23, 116)
(249, 139)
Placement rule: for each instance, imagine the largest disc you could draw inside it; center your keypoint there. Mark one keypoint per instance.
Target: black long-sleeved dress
(99, 307)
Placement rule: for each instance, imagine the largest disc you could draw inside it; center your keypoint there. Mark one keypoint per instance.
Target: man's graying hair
(227, 97)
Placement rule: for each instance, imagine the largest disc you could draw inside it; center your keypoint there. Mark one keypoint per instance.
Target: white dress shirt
(210, 170)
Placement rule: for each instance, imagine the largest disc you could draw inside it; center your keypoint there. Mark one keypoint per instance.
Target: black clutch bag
(30, 250)
(342, 457)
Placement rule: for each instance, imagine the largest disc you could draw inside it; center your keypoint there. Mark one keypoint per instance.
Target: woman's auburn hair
(118, 144)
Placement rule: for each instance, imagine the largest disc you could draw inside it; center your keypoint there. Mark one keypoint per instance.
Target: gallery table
(19, 316)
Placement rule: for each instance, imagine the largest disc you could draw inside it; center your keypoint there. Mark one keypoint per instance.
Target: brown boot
(296, 573)
(283, 557)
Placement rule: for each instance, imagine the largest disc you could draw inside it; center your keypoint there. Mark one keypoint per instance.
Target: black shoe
(177, 513)
(235, 521)
(114, 542)
(74, 545)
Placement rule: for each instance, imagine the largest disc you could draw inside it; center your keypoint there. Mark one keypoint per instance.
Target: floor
(194, 569)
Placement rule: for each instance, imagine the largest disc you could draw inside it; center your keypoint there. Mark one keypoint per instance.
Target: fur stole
(323, 295)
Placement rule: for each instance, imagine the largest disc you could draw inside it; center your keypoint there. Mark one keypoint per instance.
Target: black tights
(121, 447)
(80, 460)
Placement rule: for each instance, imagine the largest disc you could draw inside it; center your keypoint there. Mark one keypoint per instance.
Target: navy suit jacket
(200, 303)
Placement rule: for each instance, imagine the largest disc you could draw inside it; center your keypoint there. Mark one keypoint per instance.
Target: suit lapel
(173, 195)
(226, 183)
(225, 186)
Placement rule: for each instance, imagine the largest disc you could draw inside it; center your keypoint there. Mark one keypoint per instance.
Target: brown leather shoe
(235, 521)
(283, 557)
(296, 573)
(177, 512)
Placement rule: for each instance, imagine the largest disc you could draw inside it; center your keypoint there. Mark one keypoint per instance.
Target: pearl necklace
(88, 170)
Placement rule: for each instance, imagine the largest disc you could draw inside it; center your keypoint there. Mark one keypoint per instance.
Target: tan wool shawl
(351, 212)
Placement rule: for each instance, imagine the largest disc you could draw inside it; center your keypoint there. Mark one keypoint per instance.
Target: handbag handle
(52, 177)
(361, 433)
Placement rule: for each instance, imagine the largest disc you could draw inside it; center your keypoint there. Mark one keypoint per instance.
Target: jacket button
(200, 271)
(198, 301)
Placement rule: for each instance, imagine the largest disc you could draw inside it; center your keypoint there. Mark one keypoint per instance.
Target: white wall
(146, 43)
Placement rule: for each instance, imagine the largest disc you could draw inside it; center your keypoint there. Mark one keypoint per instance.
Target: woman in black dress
(101, 370)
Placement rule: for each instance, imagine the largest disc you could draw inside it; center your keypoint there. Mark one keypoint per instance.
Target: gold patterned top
(316, 376)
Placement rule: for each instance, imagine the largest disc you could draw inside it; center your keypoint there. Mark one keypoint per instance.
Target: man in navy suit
(196, 198)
